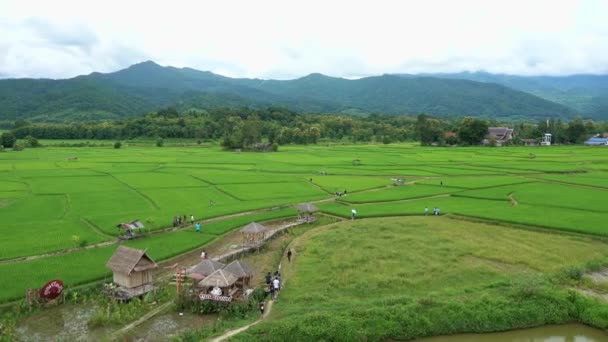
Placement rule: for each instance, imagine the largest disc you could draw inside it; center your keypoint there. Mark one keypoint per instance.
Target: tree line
(244, 127)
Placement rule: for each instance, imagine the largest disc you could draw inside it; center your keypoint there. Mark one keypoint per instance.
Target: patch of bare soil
(513, 200)
(600, 276)
(592, 293)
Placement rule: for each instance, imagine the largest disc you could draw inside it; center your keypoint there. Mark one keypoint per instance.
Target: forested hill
(147, 86)
(587, 94)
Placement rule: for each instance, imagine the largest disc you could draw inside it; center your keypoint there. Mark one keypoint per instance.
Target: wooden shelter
(221, 279)
(132, 270)
(128, 230)
(242, 271)
(204, 268)
(305, 212)
(253, 234)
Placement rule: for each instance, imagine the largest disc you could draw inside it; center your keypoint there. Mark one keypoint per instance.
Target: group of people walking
(180, 221)
(274, 285)
(435, 211)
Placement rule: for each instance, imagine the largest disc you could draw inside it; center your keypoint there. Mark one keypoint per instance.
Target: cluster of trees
(236, 128)
(472, 131)
(245, 127)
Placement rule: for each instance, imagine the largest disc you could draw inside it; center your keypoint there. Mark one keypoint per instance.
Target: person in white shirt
(276, 284)
(353, 214)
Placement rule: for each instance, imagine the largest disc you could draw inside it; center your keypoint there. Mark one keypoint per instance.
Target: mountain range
(147, 86)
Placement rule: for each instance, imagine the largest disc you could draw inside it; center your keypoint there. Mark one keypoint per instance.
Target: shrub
(8, 139)
(31, 141)
(18, 147)
(117, 145)
(574, 273)
(1, 148)
(274, 147)
(160, 142)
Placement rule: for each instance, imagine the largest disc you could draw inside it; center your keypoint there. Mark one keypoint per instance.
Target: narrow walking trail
(116, 241)
(231, 333)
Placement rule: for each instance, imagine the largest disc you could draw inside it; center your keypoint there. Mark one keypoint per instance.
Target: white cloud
(283, 39)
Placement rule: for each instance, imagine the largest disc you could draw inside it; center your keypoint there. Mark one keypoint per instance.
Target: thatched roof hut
(307, 207)
(253, 228)
(204, 268)
(131, 267)
(219, 278)
(239, 269)
(253, 234)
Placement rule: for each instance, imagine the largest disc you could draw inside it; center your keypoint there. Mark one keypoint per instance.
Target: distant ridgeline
(265, 128)
(147, 86)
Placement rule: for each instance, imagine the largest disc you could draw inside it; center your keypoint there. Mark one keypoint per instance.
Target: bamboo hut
(132, 270)
(242, 271)
(222, 280)
(204, 268)
(253, 234)
(305, 212)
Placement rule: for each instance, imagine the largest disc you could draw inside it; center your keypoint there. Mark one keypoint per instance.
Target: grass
(397, 278)
(59, 197)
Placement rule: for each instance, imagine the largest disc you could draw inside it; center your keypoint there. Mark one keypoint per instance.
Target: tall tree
(471, 131)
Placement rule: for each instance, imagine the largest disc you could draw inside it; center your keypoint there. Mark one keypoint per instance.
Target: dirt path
(116, 241)
(231, 333)
(512, 199)
(142, 319)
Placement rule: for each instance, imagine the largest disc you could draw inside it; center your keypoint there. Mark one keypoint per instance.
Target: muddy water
(164, 327)
(63, 323)
(549, 333)
(69, 323)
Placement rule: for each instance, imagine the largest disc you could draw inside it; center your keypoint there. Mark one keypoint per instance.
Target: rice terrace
(519, 235)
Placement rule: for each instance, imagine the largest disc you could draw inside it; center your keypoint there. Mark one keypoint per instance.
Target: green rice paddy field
(64, 198)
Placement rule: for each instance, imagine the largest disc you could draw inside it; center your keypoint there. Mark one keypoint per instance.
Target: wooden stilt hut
(221, 280)
(242, 271)
(305, 212)
(132, 270)
(204, 268)
(253, 234)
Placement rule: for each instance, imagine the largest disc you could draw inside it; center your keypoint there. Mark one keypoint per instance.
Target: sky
(289, 39)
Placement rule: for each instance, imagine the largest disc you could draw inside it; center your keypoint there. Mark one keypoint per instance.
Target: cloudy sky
(288, 39)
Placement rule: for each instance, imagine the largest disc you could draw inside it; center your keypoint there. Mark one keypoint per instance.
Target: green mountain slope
(147, 86)
(587, 94)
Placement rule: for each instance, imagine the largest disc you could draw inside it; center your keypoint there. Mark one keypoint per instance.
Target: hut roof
(253, 228)
(239, 269)
(311, 208)
(219, 278)
(126, 260)
(204, 268)
(133, 225)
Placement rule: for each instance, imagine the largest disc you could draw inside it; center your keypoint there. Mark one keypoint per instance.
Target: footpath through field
(113, 242)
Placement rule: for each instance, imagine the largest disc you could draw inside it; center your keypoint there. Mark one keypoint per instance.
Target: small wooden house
(305, 212)
(253, 234)
(242, 271)
(204, 268)
(222, 280)
(132, 269)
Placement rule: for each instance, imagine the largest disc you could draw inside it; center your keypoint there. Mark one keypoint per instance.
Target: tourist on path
(191, 219)
(353, 214)
(261, 306)
(268, 278)
(203, 254)
(426, 211)
(198, 227)
(272, 293)
(289, 255)
(276, 283)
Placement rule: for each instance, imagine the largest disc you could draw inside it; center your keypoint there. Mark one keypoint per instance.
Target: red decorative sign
(204, 296)
(52, 289)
